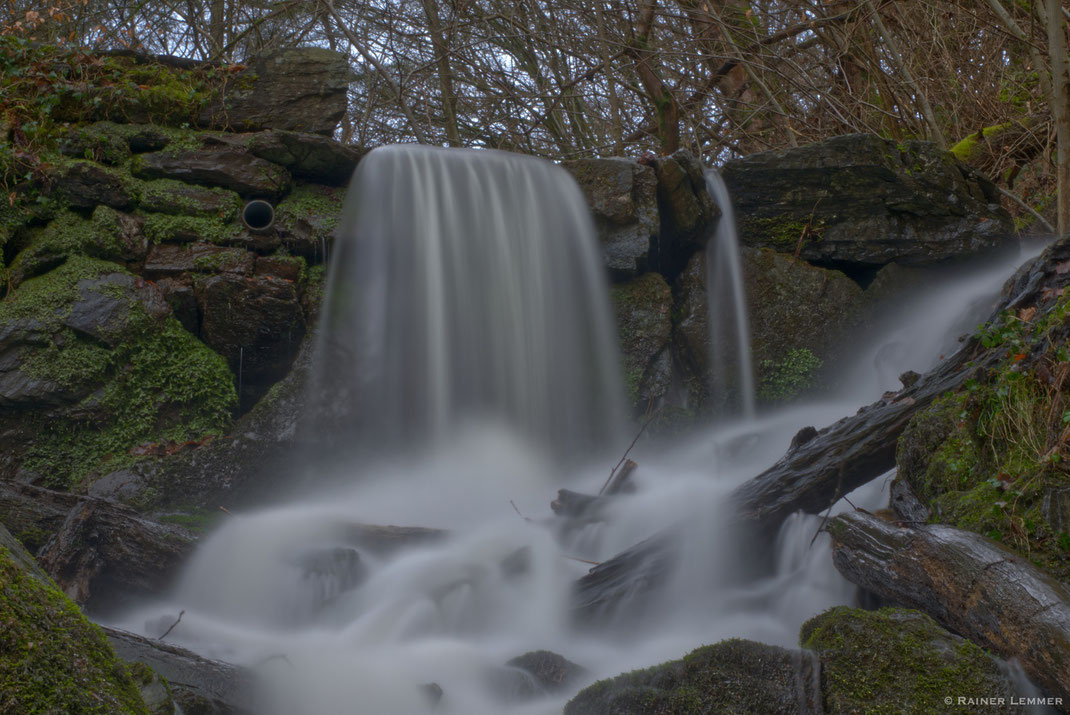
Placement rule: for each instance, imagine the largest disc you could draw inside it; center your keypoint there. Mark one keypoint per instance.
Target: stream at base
(336, 631)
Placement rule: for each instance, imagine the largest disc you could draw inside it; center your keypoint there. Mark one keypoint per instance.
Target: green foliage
(52, 660)
(785, 379)
(318, 205)
(163, 228)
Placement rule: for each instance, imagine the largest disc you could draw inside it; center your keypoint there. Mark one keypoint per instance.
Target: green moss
(163, 228)
(895, 660)
(52, 660)
(196, 520)
(787, 378)
(319, 205)
(48, 298)
(965, 149)
(69, 233)
(168, 196)
(782, 233)
(163, 387)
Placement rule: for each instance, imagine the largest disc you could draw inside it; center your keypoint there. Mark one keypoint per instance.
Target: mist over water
(443, 236)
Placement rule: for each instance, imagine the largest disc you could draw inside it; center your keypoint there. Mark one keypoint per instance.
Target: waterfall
(467, 286)
(731, 374)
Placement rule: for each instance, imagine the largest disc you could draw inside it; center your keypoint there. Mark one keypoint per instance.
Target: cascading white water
(364, 632)
(468, 285)
(731, 372)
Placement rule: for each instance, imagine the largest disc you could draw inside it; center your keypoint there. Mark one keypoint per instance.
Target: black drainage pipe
(258, 215)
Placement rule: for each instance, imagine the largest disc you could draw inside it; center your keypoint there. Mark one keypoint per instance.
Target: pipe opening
(258, 215)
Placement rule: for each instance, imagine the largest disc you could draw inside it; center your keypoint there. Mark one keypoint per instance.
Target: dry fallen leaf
(1026, 314)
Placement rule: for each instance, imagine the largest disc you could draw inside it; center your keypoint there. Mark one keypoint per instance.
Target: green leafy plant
(787, 378)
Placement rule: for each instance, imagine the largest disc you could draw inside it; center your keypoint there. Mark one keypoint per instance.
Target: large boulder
(863, 201)
(298, 88)
(52, 660)
(643, 308)
(622, 196)
(307, 156)
(895, 660)
(733, 676)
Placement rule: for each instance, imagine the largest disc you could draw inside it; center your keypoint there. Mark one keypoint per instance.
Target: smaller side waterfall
(731, 373)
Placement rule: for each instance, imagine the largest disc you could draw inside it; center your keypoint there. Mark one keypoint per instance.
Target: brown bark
(1060, 108)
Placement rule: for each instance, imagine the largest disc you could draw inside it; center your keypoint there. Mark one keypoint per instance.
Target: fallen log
(101, 553)
(969, 584)
(820, 468)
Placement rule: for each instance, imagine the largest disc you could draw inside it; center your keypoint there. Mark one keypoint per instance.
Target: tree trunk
(969, 584)
(445, 74)
(665, 107)
(1060, 108)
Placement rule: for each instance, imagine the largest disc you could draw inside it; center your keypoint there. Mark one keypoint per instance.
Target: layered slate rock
(88, 185)
(865, 201)
(231, 169)
(307, 156)
(643, 308)
(622, 196)
(299, 89)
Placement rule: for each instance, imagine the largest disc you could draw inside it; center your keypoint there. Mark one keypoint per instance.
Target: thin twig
(625, 455)
(168, 631)
(518, 511)
(582, 561)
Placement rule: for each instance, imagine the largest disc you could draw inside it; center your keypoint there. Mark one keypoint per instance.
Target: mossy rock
(896, 660)
(52, 660)
(643, 308)
(106, 373)
(733, 676)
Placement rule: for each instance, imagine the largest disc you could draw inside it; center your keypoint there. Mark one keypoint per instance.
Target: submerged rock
(548, 671)
(862, 202)
(733, 676)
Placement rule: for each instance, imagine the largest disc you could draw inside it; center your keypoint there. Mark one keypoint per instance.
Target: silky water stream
(468, 366)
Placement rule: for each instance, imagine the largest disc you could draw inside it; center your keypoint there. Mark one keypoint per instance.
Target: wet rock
(105, 555)
(179, 294)
(643, 308)
(19, 385)
(169, 260)
(899, 660)
(102, 142)
(311, 157)
(733, 676)
(686, 210)
(622, 196)
(227, 168)
(102, 309)
(301, 89)
(331, 572)
(87, 185)
(256, 323)
(906, 505)
(691, 336)
(549, 671)
(288, 268)
(860, 202)
(793, 306)
(199, 686)
(307, 221)
(53, 659)
(124, 485)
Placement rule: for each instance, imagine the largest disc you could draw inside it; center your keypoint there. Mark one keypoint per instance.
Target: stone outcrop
(299, 89)
(238, 171)
(622, 196)
(861, 202)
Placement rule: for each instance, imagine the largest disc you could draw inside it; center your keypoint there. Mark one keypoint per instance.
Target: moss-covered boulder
(52, 660)
(95, 372)
(733, 676)
(896, 660)
(643, 307)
